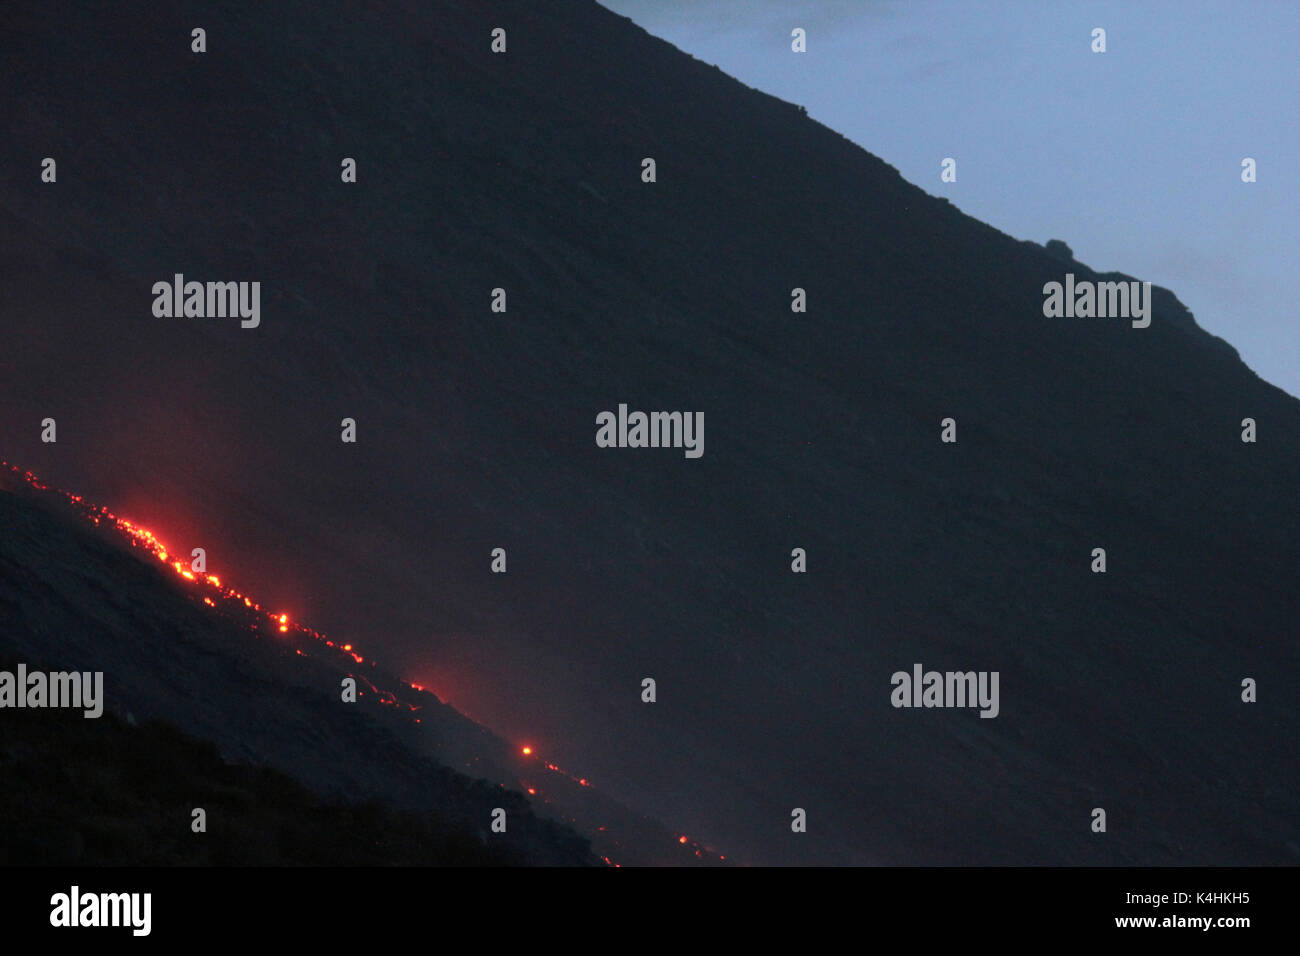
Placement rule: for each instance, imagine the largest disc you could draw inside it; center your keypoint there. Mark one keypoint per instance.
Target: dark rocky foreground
(105, 793)
(200, 710)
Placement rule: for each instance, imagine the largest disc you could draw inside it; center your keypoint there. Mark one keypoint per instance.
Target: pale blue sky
(1133, 157)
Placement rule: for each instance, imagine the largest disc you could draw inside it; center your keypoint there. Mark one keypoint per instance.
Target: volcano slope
(522, 171)
(205, 708)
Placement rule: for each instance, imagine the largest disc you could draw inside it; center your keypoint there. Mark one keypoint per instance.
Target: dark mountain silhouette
(476, 429)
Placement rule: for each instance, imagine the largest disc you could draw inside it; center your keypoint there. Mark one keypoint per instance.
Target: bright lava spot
(528, 751)
(681, 839)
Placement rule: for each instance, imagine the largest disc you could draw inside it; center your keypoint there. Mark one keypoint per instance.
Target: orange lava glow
(149, 542)
(243, 610)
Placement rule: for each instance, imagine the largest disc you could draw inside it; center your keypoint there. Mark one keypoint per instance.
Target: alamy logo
(102, 909)
(655, 430)
(950, 689)
(212, 300)
(1102, 300)
(84, 691)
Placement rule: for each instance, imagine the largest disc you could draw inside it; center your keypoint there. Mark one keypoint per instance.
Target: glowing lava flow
(235, 605)
(580, 781)
(217, 594)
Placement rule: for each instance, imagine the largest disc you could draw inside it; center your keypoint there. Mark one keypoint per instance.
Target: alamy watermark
(947, 689)
(653, 430)
(1101, 300)
(212, 300)
(75, 908)
(78, 690)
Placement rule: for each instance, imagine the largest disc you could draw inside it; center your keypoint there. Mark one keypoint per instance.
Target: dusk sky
(1133, 157)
